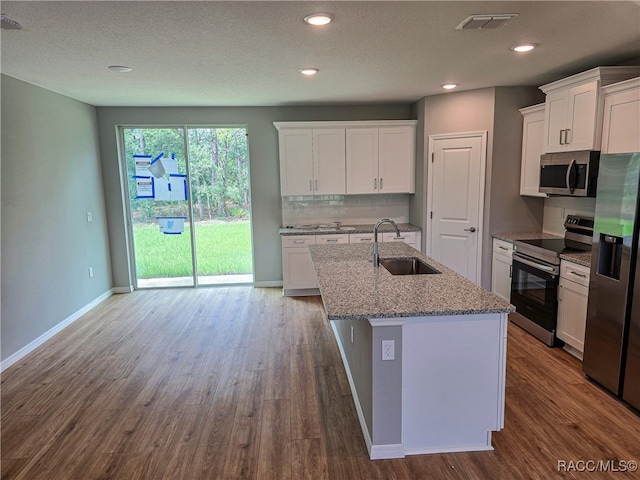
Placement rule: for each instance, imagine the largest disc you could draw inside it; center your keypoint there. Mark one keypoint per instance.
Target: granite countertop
(581, 258)
(511, 236)
(352, 287)
(362, 228)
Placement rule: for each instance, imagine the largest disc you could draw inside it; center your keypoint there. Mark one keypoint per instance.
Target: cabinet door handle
(566, 136)
(560, 287)
(577, 274)
(375, 183)
(380, 183)
(316, 185)
(561, 142)
(310, 186)
(510, 271)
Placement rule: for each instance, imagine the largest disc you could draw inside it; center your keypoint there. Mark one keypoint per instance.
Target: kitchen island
(441, 386)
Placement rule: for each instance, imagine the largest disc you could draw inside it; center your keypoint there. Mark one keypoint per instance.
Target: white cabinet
(501, 268)
(332, 239)
(532, 142)
(410, 238)
(312, 161)
(621, 124)
(297, 268)
(381, 159)
(574, 108)
(361, 237)
(298, 274)
(573, 293)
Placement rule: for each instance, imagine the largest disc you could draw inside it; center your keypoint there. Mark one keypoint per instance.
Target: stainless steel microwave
(569, 173)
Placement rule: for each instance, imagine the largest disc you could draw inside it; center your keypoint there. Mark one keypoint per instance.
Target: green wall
(51, 178)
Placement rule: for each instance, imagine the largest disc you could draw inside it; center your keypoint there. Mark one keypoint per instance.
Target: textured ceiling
(204, 53)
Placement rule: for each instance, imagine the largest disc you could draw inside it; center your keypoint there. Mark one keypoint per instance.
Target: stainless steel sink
(407, 266)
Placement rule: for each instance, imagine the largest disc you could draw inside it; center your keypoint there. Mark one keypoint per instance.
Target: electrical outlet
(90, 272)
(89, 217)
(388, 350)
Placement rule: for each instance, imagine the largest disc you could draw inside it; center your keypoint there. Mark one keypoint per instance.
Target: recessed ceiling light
(525, 47)
(449, 86)
(309, 71)
(119, 68)
(318, 19)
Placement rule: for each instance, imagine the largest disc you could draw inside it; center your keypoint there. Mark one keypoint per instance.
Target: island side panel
(356, 357)
(453, 382)
(387, 395)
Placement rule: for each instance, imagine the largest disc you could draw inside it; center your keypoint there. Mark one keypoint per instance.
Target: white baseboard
(128, 289)
(268, 284)
(24, 351)
(381, 452)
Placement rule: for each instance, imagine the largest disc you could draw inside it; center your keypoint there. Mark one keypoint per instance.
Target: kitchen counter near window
(440, 386)
(358, 228)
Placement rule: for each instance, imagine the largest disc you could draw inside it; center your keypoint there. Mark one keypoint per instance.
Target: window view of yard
(218, 183)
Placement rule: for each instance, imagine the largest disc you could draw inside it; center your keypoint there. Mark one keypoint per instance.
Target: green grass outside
(222, 249)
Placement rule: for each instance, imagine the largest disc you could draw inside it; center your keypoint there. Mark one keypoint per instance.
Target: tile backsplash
(348, 209)
(556, 210)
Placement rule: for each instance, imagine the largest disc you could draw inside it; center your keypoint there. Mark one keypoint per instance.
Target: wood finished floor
(242, 383)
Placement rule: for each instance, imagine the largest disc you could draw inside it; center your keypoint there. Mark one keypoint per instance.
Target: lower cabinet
(297, 268)
(410, 238)
(298, 274)
(573, 293)
(501, 268)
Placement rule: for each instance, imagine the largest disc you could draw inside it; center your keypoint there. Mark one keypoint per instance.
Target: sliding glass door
(189, 205)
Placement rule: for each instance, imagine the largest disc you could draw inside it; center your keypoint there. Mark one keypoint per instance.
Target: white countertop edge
(386, 322)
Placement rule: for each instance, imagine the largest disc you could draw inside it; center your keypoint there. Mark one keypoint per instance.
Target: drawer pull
(332, 240)
(365, 239)
(298, 241)
(502, 248)
(577, 274)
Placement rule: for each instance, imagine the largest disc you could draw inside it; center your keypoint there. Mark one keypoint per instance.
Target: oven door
(534, 291)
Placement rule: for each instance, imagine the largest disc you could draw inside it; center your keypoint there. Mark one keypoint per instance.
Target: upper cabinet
(532, 141)
(312, 161)
(332, 158)
(574, 108)
(381, 159)
(621, 117)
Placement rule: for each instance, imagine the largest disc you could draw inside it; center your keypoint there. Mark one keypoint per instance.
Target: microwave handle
(571, 173)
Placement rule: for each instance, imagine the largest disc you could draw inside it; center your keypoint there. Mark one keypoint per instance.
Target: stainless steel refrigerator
(612, 339)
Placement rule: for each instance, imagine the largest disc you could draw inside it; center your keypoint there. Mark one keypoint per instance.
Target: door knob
(472, 229)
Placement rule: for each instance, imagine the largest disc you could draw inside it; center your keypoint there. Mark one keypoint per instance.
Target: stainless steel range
(536, 273)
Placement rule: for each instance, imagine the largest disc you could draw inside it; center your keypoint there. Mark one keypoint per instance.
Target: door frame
(124, 190)
(482, 134)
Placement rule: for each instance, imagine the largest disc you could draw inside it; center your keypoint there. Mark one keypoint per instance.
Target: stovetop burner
(558, 245)
(577, 239)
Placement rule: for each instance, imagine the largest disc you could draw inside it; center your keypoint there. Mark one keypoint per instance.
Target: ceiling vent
(8, 24)
(478, 22)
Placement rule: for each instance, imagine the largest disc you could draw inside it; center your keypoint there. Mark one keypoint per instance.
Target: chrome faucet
(376, 258)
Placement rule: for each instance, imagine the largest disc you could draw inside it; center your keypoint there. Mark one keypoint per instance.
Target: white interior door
(457, 195)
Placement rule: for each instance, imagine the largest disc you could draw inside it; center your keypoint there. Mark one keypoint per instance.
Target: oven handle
(545, 268)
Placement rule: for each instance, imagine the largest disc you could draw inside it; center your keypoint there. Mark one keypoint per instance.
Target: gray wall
(496, 111)
(264, 167)
(50, 179)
